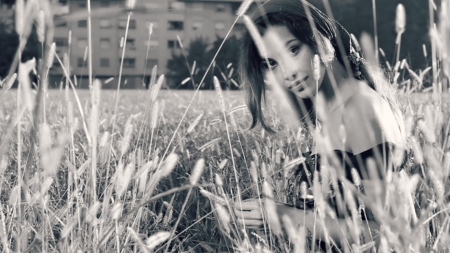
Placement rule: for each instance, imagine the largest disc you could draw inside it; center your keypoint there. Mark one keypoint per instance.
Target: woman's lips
(299, 85)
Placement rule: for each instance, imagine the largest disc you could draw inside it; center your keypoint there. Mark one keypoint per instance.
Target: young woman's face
(290, 61)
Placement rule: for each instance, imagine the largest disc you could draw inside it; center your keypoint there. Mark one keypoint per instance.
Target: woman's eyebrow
(289, 41)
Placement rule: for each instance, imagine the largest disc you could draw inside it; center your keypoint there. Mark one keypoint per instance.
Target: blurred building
(186, 18)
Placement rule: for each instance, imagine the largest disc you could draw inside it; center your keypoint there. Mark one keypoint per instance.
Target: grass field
(149, 171)
(58, 205)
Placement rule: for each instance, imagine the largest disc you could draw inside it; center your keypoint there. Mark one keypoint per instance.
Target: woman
(363, 120)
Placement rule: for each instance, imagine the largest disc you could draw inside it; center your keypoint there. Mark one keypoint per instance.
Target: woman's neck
(335, 84)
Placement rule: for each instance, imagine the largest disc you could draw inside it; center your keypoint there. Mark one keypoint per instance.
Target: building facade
(187, 19)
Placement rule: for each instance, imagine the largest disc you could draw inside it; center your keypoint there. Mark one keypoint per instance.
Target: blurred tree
(8, 44)
(225, 68)
(226, 61)
(178, 68)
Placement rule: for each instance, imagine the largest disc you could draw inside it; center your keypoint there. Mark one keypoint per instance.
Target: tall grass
(77, 178)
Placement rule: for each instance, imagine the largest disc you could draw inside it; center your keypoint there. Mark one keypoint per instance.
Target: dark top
(350, 161)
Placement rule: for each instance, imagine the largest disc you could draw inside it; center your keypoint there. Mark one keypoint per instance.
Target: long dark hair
(331, 37)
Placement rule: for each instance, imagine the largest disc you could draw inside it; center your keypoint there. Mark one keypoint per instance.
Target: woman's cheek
(273, 77)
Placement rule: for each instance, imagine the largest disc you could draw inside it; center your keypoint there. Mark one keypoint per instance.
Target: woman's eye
(272, 64)
(293, 49)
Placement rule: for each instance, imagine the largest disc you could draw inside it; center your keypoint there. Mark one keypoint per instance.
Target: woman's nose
(290, 73)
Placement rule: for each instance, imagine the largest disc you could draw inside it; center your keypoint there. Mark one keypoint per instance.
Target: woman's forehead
(276, 38)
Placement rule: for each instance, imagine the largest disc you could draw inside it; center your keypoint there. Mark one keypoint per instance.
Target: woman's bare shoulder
(369, 119)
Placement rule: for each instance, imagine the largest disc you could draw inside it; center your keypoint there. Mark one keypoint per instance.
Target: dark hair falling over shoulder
(331, 42)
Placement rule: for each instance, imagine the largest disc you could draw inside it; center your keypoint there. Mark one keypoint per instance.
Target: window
(60, 23)
(197, 6)
(80, 62)
(61, 42)
(105, 43)
(219, 26)
(104, 3)
(82, 23)
(105, 23)
(175, 25)
(129, 63)
(176, 6)
(131, 45)
(151, 6)
(123, 23)
(82, 5)
(104, 62)
(197, 25)
(82, 43)
(173, 44)
(220, 8)
(151, 63)
(153, 44)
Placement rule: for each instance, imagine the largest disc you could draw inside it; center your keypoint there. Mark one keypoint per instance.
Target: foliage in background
(200, 51)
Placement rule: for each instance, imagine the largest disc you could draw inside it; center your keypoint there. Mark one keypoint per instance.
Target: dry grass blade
(213, 197)
(209, 144)
(138, 240)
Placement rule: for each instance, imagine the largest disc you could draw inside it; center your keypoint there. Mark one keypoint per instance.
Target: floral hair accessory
(356, 61)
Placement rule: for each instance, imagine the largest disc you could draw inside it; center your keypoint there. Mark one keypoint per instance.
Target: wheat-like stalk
(197, 171)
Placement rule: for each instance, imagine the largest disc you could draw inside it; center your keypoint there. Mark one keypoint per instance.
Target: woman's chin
(304, 94)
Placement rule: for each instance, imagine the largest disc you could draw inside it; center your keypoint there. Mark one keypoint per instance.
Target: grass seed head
(219, 93)
(157, 87)
(316, 67)
(218, 180)
(194, 124)
(253, 172)
(169, 164)
(185, 80)
(124, 179)
(157, 239)
(244, 7)
(66, 63)
(154, 118)
(223, 163)
(104, 139)
(51, 55)
(426, 131)
(417, 150)
(224, 217)
(355, 177)
(193, 68)
(303, 190)
(150, 29)
(91, 215)
(400, 19)
(116, 211)
(125, 143)
(197, 171)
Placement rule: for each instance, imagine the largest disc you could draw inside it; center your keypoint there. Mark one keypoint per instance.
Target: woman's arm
(338, 230)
